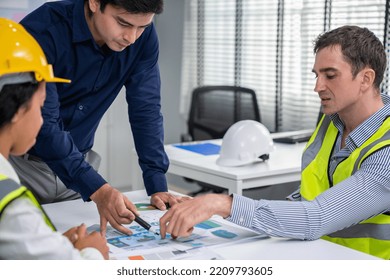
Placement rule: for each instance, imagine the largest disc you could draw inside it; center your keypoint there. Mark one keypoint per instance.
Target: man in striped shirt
(345, 183)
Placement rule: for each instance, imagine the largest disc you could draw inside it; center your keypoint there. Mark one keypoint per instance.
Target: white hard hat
(245, 142)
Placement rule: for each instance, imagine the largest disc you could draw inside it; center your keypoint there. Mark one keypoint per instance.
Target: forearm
(355, 199)
(274, 218)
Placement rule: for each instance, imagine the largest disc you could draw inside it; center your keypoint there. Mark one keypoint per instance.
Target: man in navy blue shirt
(101, 45)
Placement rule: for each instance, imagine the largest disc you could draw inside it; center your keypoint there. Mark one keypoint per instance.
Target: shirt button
(241, 219)
(81, 107)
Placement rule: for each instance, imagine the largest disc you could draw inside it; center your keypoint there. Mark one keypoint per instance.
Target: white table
(283, 166)
(71, 213)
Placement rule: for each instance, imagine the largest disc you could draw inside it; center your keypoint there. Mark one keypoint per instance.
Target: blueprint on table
(145, 245)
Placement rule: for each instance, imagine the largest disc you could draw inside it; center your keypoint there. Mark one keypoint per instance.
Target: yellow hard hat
(20, 53)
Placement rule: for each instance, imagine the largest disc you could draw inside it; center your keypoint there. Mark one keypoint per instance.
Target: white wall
(114, 142)
(170, 25)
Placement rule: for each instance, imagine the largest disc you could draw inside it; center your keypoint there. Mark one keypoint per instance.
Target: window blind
(299, 105)
(267, 45)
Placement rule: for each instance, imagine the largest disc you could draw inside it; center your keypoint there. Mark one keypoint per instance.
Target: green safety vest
(10, 190)
(371, 236)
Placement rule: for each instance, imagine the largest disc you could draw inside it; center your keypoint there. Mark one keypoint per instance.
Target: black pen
(145, 224)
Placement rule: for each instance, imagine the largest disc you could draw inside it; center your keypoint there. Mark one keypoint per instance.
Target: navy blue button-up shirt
(73, 111)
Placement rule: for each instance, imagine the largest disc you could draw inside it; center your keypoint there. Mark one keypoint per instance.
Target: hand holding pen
(145, 224)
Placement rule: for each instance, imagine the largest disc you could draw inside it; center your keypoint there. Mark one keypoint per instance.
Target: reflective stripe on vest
(370, 236)
(11, 190)
(315, 159)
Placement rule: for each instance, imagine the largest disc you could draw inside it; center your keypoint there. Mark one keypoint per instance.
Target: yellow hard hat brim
(58, 80)
(47, 75)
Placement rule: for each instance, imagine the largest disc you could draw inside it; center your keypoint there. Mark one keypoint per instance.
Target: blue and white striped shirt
(363, 195)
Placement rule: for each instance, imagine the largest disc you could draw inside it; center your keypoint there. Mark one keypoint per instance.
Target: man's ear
(368, 78)
(94, 5)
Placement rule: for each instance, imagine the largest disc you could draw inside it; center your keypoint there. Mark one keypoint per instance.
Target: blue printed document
(201, 148)
(144, 245)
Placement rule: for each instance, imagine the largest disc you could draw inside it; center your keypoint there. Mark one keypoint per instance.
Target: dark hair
(360, 48)
(13, 97)
(134, 6)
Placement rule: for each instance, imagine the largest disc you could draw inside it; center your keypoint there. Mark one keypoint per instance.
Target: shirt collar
(81, 30)
(364, 131)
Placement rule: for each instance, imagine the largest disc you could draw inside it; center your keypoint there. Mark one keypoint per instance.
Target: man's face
(335, 85)
(116, 28)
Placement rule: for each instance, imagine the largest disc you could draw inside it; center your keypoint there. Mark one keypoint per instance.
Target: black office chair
(213, 110)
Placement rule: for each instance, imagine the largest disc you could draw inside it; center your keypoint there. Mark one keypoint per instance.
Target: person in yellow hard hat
(25, 230)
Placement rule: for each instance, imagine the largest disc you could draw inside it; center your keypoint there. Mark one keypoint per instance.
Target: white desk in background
(67, 214)
(283, 166)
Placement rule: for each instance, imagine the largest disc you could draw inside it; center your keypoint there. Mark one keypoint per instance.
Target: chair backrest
(215, 108)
